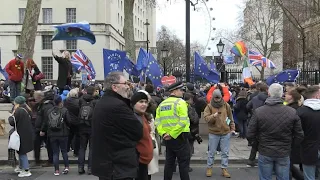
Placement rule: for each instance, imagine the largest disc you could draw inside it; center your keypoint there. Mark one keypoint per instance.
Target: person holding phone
(218, 115)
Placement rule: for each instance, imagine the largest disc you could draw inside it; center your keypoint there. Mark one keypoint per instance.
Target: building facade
(106, 18)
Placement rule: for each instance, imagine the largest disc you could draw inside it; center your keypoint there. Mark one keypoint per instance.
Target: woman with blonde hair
(65, 70)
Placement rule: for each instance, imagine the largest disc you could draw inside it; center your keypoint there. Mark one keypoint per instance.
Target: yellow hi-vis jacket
(172, 117)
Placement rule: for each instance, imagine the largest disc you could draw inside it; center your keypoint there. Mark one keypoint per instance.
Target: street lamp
(164, 55)
(220, 47)
(221, 66)
(147, 24)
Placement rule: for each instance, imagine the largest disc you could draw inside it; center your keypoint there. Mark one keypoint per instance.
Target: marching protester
(15, 70)
(20, 119)
(219, 117)
(241, 113)
(274, 127)
(57, 129)
(173, 125)
(115, 132)
(309, 114)
(65, 70)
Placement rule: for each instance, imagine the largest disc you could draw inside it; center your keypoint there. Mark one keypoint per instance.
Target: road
(238, 172)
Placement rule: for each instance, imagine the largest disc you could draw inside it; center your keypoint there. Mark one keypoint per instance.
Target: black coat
(72, 104)
(295, 150)
(194, 121)
(42, 109)
(115, 134)
(240, 109)
(274, 126)
(24, 128)
(36, 84)
(311, 127)
(200, 104)
(65, 126)
(83, 127)
(65, 66)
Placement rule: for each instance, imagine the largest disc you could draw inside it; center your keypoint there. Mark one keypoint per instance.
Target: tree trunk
(262, 73)
(29, 29)
(128, 29)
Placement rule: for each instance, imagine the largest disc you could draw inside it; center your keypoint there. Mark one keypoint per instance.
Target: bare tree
(261, 29)
(29, 29)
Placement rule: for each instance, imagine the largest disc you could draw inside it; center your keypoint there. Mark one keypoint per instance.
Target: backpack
(55, 121)
(85, 113)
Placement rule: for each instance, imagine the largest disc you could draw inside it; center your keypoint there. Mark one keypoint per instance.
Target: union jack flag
(268, 63)
(255, 58)
(79, 60)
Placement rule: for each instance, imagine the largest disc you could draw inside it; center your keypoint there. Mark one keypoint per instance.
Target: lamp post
(164, 55)
(188, 40)
(147, 24)
(220, 47)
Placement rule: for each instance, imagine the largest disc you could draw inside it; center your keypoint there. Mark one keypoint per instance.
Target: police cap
(174, 86)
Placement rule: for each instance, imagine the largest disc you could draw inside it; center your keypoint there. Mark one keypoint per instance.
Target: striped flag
(79, 60)
(246, 74)
(268, 63)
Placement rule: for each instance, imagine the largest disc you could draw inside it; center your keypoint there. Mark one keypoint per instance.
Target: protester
(274, 127)
(15, 70)
(65, 70)
(21, 118)
(241, 113)
(219, 117)
(115, 132)
(309, 114)
(57, 128)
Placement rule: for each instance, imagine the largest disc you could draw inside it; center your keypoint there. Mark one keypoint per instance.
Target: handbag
(39, 76)
(14, 141)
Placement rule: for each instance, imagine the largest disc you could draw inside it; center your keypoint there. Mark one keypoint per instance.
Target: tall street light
(220, 47)
(188, 40)
(164, 55)
(147, 24)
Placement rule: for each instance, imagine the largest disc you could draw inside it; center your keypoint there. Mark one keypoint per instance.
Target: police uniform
(172, 118)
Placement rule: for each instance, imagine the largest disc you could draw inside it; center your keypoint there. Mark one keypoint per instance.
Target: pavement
(238, 172)
(238, 154)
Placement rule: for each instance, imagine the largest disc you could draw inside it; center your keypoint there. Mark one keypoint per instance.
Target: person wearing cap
(173, 126)
(218, 115)
(15, 70)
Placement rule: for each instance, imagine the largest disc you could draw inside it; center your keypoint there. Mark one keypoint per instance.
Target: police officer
(172, 123)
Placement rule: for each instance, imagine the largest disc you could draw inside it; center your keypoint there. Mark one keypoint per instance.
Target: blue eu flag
(142, 60)
(289, 75)
(201, 69)
(74, 31)
(113, 61)
(153, 71)
(130, 67)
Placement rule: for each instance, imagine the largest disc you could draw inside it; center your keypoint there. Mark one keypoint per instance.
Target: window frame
(44, 16)
(47, 67)
(71, 18)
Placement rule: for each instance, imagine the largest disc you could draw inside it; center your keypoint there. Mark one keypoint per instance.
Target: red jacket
(15, 70)
(145, 146)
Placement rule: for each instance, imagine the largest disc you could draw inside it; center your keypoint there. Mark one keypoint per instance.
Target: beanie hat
(20, 100)
(57, 99)
(137, 97)
(216, 93)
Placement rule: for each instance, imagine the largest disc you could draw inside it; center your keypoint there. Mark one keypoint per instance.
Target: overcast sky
(225, 12)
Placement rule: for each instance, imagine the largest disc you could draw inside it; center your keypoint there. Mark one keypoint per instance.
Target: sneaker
(89, 171)
(209, 172)
(24, 174)
(17, 170)
(252, 164)
(218, 152)
(81, 171)
(56, 173)
(65, 171)
(225, 173)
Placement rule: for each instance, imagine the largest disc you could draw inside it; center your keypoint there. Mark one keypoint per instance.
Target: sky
(226, 12)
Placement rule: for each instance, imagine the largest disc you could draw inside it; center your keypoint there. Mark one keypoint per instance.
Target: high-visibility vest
(172, 117)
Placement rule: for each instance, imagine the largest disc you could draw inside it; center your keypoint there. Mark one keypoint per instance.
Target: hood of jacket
(312, 103)
(88, 97)
(271, 101)
(262, 96)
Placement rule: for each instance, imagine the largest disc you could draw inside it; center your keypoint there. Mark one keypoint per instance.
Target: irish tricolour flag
(246, 74)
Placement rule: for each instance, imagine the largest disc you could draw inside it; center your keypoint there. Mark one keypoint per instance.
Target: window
(71, 15)
(71, 44)
(121, 6)
(138, 21)
(121, 20)
(143, 13)
(22, 13)
(118, 4)
(47, 67)
(47, 15)
(135, 19)
(275, 47)
(135, 31)
(258, 36)
(138, 34)
(46, 42)
(118, 18)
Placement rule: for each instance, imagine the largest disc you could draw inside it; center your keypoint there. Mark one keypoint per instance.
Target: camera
(198, 138)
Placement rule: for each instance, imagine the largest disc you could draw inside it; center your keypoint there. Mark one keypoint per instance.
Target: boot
(81, 170)
(89, 171)
(225, 173)
(209, 172)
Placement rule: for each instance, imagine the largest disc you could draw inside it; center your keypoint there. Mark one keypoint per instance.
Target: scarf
(218, 104)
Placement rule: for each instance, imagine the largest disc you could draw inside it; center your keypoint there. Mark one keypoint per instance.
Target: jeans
(267, 165)
(224, 146)
(58, 143)
(243, 128)
(74, 140)
(85, 138)
(23, 160)
(253, 152)
(15, 88)
(309, 171)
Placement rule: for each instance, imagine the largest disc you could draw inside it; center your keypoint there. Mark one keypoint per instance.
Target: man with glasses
(172, 124)
(115, 132)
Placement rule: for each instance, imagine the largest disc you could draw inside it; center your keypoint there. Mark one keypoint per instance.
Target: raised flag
(201, 69)
(130, 67)
(255, 58)
(79, 60)
(113, 61)
(246, 74)
(153, 71)
(268, 63)
(289, 75)
(142, 60)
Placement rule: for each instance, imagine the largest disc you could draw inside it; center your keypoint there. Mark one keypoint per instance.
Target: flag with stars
(201, 69)
(130, 67)
(289, 75)
(142, 60)
(154, 71)
(113, 60)
(212, 66)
